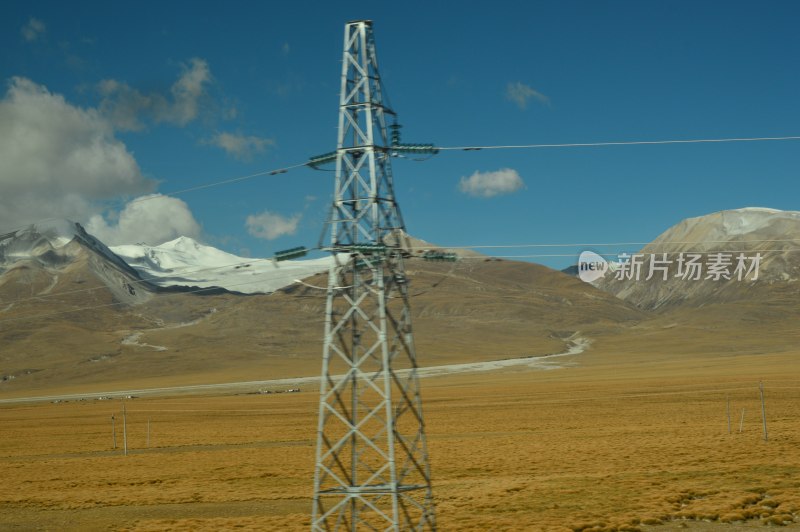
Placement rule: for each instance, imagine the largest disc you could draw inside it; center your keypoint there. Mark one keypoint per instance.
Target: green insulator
(291, 253)
(369, 249)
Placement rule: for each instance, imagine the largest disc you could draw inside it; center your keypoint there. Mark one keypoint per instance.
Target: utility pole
(372, 470)
(763, 410)
(124, 429)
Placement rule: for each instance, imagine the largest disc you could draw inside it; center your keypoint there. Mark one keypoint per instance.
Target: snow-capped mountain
(186, 262)
(46, 243)
(50, 246)
(58, 255)
(721, 256)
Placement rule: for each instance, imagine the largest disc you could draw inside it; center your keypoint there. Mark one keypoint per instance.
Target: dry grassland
(604, 445)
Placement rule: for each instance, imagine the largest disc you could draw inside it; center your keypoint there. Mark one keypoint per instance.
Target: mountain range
(76, 314)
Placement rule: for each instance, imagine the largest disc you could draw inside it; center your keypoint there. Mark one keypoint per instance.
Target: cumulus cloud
(519, 93)
(127, 107)
(241, 147)
(489, 184)
(152, 219)
(187, 91)
(33, 29)
(269, 225)
(58, 160)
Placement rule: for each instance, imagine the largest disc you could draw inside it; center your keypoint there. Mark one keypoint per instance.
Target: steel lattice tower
(372, 470)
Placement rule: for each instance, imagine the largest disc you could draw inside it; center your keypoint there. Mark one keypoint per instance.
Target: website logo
(712, 266)
(592, 266)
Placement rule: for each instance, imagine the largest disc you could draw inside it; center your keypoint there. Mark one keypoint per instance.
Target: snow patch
(762, 209)
(751, 219)
(723, 225)
(186, 262)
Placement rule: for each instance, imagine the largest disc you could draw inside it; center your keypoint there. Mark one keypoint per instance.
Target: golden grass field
(610, 442)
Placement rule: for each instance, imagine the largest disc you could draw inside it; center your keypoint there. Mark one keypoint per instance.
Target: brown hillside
(470, 310)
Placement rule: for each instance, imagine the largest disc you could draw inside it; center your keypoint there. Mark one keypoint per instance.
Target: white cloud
(126, 107)
(519, 93)
(58, 160)
(187, 91)
(123, 104)
(33, 29)
(241, 147)
(270, 226)
(489, 184)
(152, 219)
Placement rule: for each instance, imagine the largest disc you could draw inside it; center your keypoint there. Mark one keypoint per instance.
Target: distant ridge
(54, 255)
(772, 234)
(37, 241)
(571, 270)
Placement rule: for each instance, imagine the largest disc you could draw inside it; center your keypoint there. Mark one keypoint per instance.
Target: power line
(561, 255)
(174, 193)
(285, 169)
(186, 270)
(235, 265)
(293, 277)
(275, 171)
(607, 244)
(619, 143)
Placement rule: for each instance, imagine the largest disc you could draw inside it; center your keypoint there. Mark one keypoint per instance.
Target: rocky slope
(37, 260)
(727, 256)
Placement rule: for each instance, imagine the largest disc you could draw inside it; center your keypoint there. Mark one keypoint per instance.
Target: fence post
(763, 410)
(124, 429)
(728, 412)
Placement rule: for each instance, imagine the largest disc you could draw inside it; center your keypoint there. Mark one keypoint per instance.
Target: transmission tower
(372, 470)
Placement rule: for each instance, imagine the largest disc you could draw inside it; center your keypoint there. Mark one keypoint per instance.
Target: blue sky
(105, 102)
